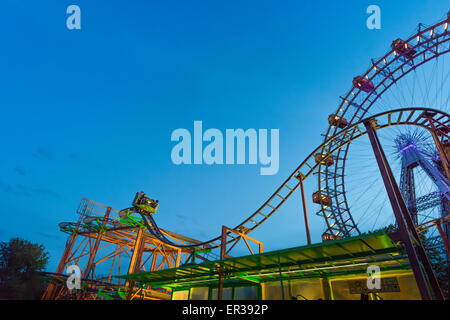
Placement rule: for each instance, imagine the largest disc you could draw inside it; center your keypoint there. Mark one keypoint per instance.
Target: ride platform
(330, 270)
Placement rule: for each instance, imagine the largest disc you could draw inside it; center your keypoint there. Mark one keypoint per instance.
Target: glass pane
(307, 289)
(180, 295)
(272, 290)
(246, 293)
(199, 293)
(226, 294)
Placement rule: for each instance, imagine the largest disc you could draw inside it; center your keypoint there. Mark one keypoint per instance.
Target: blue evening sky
(89, 113)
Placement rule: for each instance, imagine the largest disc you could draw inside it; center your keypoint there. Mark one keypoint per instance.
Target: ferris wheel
(414, 73)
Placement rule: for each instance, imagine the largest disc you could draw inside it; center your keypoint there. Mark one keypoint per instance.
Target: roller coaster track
(404, 116)
(430, 43)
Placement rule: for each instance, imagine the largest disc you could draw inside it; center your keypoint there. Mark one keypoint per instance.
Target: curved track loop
(429, 43)
(433, 42)
(153, 228)
(405, 116)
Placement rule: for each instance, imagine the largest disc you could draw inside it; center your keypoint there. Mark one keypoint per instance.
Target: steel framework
(104, 245)
(413, 156)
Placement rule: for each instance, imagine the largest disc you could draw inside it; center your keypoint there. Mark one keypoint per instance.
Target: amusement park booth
(332, 270)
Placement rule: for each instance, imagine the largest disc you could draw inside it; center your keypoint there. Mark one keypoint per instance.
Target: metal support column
(51, 289)
(419, 249)
(223, 250)
(93, 253)
(135, 262)
(305, 212)
(281, 278)
(136, 258)
(399, 215)
(154, 259)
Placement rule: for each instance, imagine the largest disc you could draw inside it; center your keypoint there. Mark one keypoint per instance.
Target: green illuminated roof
(345, 256)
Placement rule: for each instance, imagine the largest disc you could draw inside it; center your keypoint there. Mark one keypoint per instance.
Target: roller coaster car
(337, 121)
(364, 84)
(320, 198)
(145, 205)
(403, 48)
(320, 159)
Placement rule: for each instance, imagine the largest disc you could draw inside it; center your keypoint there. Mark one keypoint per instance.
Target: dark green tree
(437, 256)
(20, 265)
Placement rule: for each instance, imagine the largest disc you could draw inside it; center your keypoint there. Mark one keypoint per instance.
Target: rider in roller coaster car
(144, 205)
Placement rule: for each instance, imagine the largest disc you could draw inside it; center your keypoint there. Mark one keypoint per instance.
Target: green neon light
(122, 295)
(105, 294)
(132, 221)
(69, 230)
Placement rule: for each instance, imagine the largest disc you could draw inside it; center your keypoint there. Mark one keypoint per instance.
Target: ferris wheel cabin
(320, 198)
(336, 121)
(364, 84)
(403, 49)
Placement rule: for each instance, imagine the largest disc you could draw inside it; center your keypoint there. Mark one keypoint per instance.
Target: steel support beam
(51, 290)
(223, 250)
(136, 258)
(93, 253)
(400, 211)
(305, 212)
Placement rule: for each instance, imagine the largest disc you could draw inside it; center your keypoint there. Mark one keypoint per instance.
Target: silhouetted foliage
(20, 265)
(436, 255)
